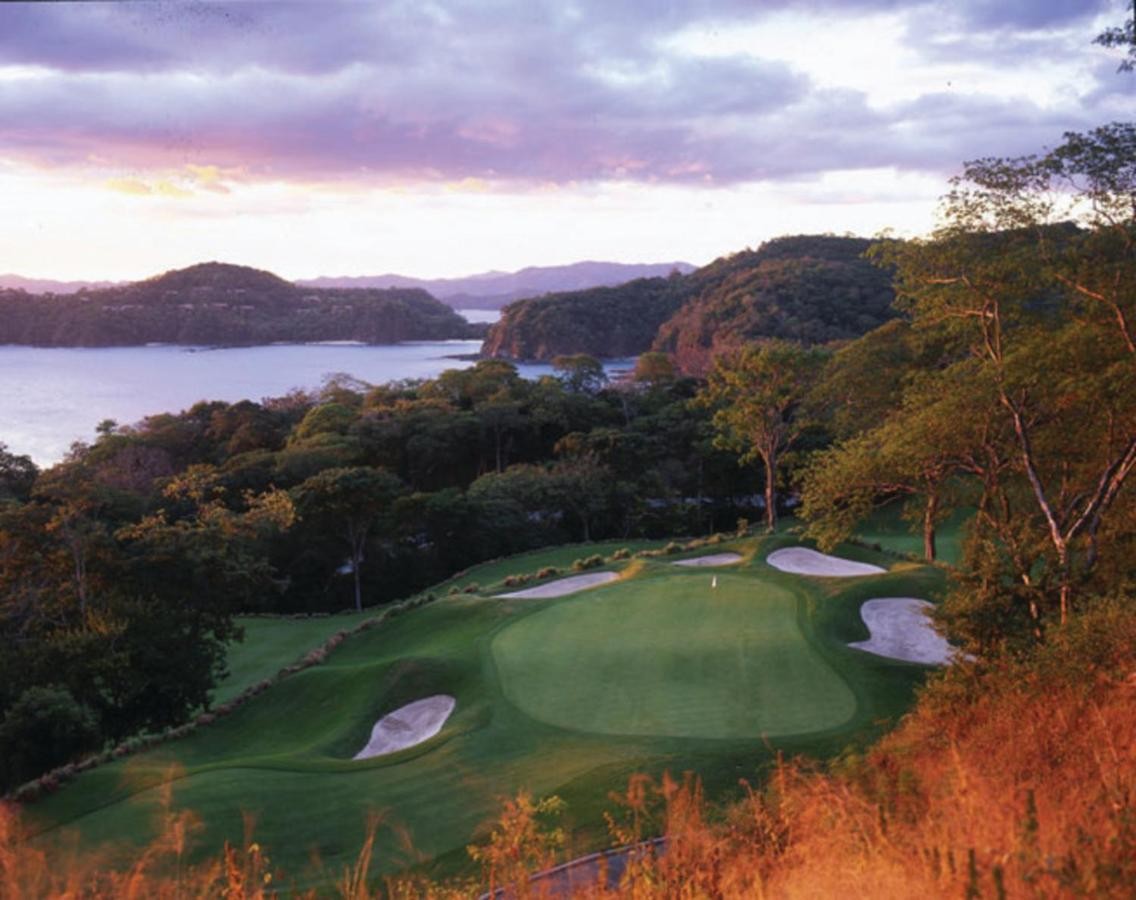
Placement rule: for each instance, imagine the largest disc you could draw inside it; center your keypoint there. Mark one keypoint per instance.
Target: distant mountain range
(49, 286)
(492, 290)
(487, 290)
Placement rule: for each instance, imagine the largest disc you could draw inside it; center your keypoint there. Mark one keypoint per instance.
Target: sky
(439, 139)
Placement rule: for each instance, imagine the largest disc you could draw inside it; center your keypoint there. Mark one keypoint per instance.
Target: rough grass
(284, 760)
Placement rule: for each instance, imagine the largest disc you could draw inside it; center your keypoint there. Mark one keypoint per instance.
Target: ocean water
(50, 397)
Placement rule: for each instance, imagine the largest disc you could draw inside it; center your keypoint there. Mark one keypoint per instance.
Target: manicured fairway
(567, 695)
(673, 657)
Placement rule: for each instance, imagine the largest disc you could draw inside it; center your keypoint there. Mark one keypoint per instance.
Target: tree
(580, 373)
(17, 475)
(755, 394)
(349, 502)
(653, 369)
(1031, 281)
(44, 728)
(914, 451)
(1124, 37)
(584, 486)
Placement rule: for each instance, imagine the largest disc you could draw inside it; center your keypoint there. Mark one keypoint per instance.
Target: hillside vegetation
(604, 322)
(216, 303)
(812, 289)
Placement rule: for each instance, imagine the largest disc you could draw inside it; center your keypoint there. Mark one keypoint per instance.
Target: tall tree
(350, 502)
(756, 394)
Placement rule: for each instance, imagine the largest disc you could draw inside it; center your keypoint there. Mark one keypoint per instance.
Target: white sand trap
(714, 559)
(565, 585)
(901, 630)
(411, 724)
(803, 561)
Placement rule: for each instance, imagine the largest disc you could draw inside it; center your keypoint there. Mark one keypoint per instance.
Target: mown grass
(284, 760)
(887, 528)
(270, 643)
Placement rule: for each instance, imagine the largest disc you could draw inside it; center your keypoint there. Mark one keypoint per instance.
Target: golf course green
(673, 657)
(658, 670)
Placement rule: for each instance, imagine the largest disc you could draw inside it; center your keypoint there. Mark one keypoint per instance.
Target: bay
(51, 397)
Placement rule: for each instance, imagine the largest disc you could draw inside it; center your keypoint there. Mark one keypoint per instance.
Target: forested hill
(605, 322)
(809, 288)
(812, 289)
(217, 303)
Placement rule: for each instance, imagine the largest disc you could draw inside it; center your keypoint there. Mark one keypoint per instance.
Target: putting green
(673, 657)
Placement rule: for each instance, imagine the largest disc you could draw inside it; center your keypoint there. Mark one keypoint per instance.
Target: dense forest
(812, 289)
(605, 322)
(220, 304)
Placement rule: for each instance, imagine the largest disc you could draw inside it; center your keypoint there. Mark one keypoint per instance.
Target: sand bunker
(803, 561)
(411, 724)
(901, 630)
(714, 559)
(565, 585)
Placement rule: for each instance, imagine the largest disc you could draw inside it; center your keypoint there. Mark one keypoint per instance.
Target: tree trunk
(357, 538)
(929, 512)
(769, 459)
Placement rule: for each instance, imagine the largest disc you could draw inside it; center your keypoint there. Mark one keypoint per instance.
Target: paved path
(565, 879)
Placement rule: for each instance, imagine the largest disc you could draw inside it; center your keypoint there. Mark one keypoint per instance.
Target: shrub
(672, 547)
(44, 728)
(622, 553)
(588, 562)
(548, 572)
(472, 588)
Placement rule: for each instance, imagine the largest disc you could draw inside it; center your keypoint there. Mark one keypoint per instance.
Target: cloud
(519, 91)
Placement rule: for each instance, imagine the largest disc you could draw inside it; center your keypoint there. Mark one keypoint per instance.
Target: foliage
(521, 842)
(214, 303)
(44, 728)
(603, 322)
(755, 394)
(812, 289)
(17, 475)
(1016, 387)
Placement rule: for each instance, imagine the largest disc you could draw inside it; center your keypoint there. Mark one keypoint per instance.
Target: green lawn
(887, 528)
(568, 696)
(672, 656)
(272, 643)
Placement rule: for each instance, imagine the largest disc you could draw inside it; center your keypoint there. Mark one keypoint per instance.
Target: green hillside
(812, 288)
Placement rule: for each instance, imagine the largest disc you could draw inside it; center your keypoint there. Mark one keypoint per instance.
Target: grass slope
(284, 760)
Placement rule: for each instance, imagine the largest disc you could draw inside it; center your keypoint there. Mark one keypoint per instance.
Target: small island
(221, 304)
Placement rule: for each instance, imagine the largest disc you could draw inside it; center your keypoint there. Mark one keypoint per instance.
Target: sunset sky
(441, 139)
